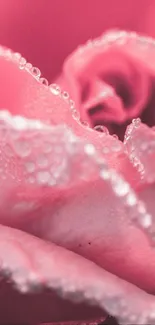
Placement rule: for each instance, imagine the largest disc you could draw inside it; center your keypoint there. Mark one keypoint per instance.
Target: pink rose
(77, 201)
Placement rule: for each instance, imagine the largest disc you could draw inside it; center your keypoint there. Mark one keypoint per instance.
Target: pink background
(46, 31)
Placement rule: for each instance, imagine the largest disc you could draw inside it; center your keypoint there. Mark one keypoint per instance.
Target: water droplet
(104, 174)
(8, 54)
(20, 123)
(145, 220)
(43, 177)
(44, 81)
(89, 149)
(52, 182)
(42, 162)
(28, 66)
(17, 56)
(76, 115)
(131, 199)
(22, 148)
(116, 147)
(85, 124)
(120, 187)
(105, 150)
(72, 104)
(36, 72)
(55, 89)
(115, 136)
(102, 129)
(65, 95)
(22, 63)
(136, 122)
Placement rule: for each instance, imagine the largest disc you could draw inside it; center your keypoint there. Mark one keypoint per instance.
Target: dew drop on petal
(72, 104)
(20, 123)
(44, 81)
(43, 177)
(76, 115)
(42, 162)
(145, 220)
(85, 124)
(55, 89)
(8, 54)
(115, 136)
(22, 148)
(28, 66)
(36, 72)
(30, 166)
(136, 122)
(90, 149)
(131, 199)
(120, 187)
(65, 95)
(22, 63)
(102, 129)
(17, 56)
(105, 150)
(104, 174)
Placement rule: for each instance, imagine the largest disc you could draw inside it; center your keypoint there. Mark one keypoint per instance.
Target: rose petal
(109, 78)
(29, 97)
(24, 92)
(68, 184)
(36, 156)
(96, 220)
(31, 261)
(147, 194)
(140, 146)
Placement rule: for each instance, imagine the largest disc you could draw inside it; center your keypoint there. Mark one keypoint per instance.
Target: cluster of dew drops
(117, 36)
(122, 189)
(56, 90)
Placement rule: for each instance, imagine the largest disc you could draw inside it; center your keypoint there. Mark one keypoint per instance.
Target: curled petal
(50, 179)
(30, 97)
(140, 146)
(30, 261)
(110, 78)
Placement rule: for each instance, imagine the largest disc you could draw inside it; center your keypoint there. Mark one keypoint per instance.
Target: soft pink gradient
(76, 237)
(45, 33)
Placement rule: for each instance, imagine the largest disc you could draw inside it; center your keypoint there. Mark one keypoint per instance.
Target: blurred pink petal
(33, 262)
(52, 200)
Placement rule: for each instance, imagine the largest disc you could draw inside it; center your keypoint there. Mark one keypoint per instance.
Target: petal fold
(32, 262)
(140, 146)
